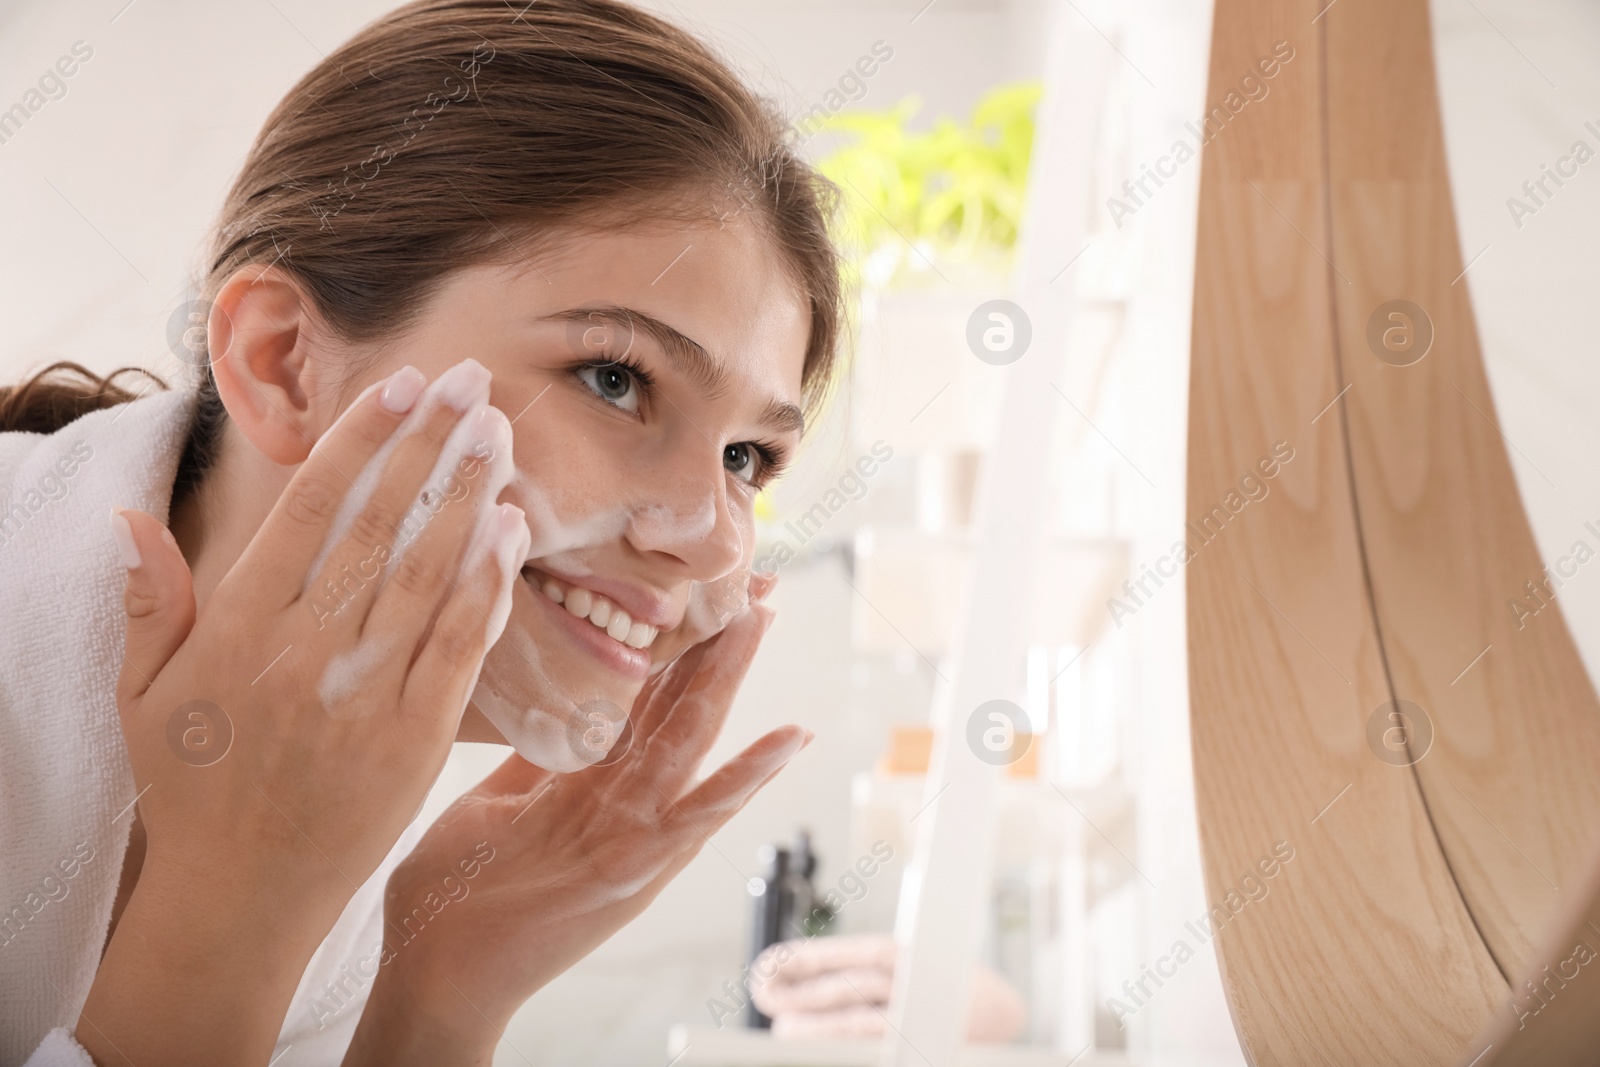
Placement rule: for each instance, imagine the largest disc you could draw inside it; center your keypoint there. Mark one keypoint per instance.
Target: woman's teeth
(601, 612)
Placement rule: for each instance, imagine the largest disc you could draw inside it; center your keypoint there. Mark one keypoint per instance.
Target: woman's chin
(559, 690)
(549, 696)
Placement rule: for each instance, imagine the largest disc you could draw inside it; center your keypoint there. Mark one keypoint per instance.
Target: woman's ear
(262, 332)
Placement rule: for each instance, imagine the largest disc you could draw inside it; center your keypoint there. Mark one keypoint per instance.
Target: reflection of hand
(573, 858)
(266, 795)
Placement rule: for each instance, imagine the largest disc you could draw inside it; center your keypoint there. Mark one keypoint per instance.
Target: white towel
(66, 789)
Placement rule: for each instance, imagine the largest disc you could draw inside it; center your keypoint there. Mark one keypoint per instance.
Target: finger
(514, 777)
(676, 748)
(387, 517)
(275, 563)
(440, 681)
(762, 583)
(158, 599)
(676, 680)
(426, 563)
(721, 796)
(655, 700)
(688, 826)
(691, 821)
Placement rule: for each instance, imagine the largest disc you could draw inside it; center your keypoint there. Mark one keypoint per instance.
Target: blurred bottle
(783, 904)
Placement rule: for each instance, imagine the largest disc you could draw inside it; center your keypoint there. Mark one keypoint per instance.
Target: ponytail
(64, 392)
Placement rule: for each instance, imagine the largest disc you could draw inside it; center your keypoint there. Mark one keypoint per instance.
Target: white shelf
(705, 1046)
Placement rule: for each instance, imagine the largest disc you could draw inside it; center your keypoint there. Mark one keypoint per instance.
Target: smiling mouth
(603, 614)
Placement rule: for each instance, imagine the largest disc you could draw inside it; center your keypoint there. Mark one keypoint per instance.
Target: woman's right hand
(282, 740)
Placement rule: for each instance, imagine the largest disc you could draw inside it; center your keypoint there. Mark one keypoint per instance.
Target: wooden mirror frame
(1362, 688)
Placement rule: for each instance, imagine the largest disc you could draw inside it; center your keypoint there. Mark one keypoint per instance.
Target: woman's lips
(633, 662)
(602, 611)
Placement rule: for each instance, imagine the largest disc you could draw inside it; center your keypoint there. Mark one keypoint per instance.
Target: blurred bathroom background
(979, 144)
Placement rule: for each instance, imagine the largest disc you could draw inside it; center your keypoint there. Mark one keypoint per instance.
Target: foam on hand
(478, 450)
(464, 387)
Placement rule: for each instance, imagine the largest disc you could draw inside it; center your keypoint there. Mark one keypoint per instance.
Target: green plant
(955, 191)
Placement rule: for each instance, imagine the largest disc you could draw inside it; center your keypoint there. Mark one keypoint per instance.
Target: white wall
(1518, 82)
(107, 190)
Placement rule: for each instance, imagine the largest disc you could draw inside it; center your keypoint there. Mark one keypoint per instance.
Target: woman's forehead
(723, 288)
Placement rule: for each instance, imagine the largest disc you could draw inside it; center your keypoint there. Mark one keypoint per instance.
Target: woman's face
(653, 380)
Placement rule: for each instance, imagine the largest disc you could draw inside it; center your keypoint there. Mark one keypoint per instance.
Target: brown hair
(63, 392)
(487, 126)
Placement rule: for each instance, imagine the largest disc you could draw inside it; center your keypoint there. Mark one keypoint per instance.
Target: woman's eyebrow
(688, 356)
(784, 417)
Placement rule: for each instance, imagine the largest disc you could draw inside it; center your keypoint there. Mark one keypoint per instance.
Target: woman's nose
(688, 514)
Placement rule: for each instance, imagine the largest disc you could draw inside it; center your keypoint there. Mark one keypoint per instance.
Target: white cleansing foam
(565, 731)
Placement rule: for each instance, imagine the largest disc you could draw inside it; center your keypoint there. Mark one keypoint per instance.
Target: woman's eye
(740, 460)
(613, 384)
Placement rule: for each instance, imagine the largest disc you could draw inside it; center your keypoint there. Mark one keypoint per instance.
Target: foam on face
(559, 539)
(559, 731)
(712, 605)
(547, 727)
(562, 731)
(538, 732)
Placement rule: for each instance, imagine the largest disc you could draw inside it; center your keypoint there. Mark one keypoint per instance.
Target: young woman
(510, 314)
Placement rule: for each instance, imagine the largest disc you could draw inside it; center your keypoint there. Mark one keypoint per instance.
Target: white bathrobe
(66, 790)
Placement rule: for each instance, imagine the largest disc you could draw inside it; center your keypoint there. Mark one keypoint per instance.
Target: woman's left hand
(529, 871)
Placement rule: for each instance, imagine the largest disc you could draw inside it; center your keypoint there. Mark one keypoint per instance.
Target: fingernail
(762, 584)
(464, 385)
(512, 533)
(794, 749)
(405, 385)
(123, 532)
(810, 737)
(504, 533)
